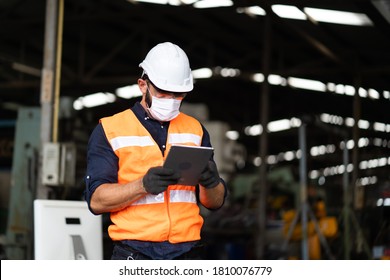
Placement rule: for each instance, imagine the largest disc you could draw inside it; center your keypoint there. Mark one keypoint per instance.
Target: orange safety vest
(172, 215)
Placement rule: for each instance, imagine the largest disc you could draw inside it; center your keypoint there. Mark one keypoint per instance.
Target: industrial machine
(59, 163)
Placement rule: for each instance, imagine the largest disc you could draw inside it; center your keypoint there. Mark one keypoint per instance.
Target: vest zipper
(167, 199)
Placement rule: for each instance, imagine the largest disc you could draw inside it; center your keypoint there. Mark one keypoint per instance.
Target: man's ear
(142, 85)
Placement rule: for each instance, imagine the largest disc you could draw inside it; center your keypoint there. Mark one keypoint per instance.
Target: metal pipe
(60, 24)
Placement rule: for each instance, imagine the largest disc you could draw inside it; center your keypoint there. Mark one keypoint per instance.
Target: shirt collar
(139, 111)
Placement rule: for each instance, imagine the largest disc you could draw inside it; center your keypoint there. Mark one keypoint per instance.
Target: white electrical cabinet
(59, 164)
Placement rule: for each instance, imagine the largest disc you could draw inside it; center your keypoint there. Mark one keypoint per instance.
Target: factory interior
(296, 101)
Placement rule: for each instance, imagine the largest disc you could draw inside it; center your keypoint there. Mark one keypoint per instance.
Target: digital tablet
(190, 161)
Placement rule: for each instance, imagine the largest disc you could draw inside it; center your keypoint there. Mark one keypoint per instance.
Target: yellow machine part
(297, 231)
(289, 215)
(328, 226)
(320, 209)
(314, 247)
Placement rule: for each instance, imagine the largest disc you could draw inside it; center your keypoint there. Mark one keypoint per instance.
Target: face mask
(164, 109)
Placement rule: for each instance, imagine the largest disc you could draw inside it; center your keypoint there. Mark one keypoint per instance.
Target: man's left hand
(210, 176)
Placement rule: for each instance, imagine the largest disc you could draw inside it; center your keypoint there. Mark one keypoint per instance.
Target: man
(152, 216)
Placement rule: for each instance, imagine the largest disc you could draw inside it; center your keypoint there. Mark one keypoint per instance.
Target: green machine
(19, 231)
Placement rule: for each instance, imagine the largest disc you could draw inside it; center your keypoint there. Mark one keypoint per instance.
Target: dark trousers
(124, 252)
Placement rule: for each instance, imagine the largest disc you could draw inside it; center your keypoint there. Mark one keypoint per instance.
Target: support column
(50, 82)
(263, 143)
(358, 191)
(303, 191)
(347, 203)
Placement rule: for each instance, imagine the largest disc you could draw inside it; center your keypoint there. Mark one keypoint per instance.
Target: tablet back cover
(190, 161)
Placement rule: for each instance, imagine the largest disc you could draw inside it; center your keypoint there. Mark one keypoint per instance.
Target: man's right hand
(157, 179)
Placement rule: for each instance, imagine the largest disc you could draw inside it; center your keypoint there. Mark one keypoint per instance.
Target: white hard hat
(168, 68)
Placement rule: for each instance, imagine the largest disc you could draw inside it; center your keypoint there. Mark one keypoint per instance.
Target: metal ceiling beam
(105, 60)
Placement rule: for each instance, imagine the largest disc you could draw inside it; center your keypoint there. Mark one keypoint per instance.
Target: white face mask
(164, 109)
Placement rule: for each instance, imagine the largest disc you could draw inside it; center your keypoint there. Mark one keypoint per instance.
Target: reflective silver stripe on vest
(176, 196)
(131, 141)
(150, 199)
(177, 138)
(182, 196)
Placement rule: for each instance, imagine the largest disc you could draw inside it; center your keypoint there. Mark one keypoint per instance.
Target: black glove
(157, 179)
(210, 177)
